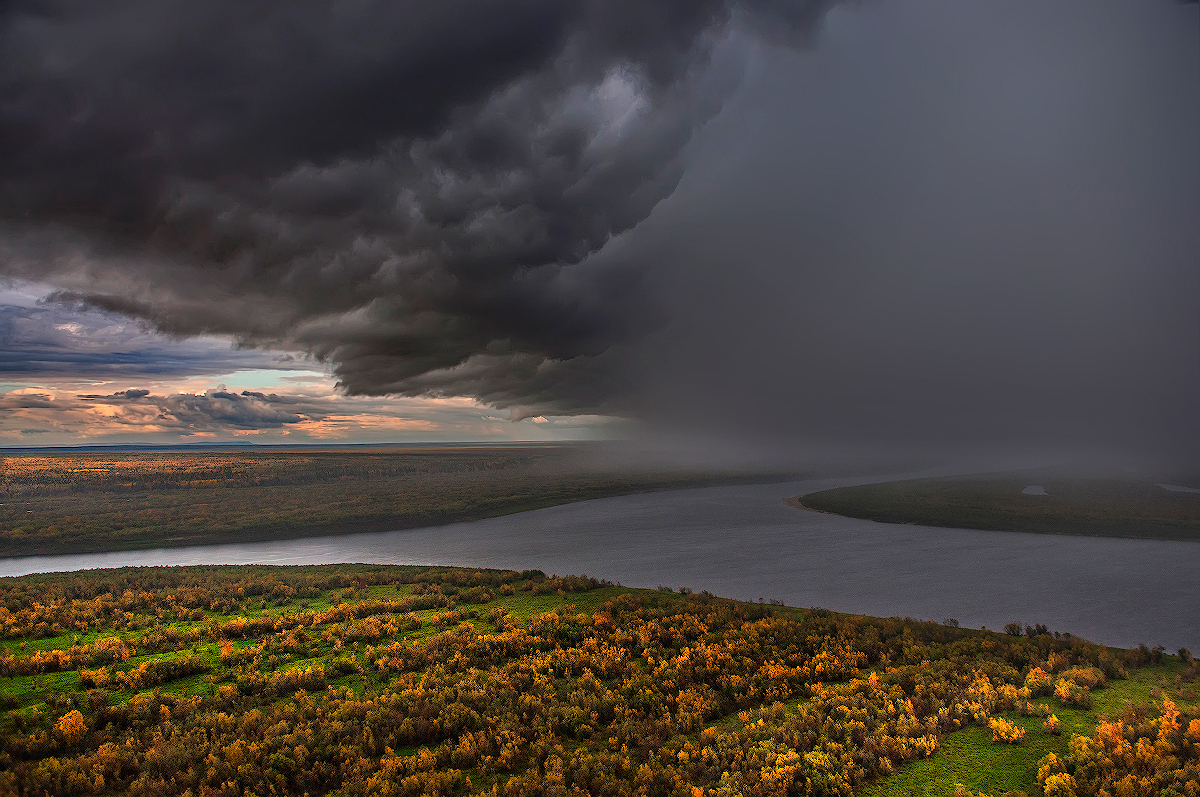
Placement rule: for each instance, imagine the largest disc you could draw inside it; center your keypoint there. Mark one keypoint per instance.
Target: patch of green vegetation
(523, 606)
(1110, 507)
(970, 757)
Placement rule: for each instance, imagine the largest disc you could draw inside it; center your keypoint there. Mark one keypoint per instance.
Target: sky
(816, 222)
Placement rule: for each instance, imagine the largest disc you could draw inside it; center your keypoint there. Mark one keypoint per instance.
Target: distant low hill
(1035, 502)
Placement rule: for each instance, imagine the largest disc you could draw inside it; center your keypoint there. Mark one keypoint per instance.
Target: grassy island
(372, 680)
(1108, 507)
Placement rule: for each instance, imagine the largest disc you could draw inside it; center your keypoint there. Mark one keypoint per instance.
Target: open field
(361, 679)
(103, 501)
(1110, 507)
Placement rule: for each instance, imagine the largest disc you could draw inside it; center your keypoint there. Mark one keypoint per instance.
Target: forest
(390, 680)
(81, 502)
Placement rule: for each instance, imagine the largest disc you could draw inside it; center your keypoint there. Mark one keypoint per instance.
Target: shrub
(72, 727)
(981, 697)
(1070, 693)
(1058, 661)
(1052, 725)
(1039, 683)
(1087, 677)
(1059, 785)
(1005, 731)
(1073, 687)
(93, 679)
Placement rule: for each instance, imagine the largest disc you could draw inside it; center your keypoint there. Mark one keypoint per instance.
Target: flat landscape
(1114, 506)
(412, 680)
(528, 398)
(79, 502)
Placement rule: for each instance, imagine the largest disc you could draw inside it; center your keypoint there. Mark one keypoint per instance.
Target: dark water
(744, 542)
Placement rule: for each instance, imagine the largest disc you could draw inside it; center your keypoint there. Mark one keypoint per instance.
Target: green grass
(1103, 507)
(523, 606)
(970, 757)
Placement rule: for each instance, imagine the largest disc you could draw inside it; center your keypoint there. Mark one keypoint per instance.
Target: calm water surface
(744, 542)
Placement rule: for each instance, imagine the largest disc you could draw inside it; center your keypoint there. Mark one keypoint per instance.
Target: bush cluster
(1151, 751)
(213, 681)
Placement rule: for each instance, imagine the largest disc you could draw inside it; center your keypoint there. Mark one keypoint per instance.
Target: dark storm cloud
(948, 222)
(217, 409)
(410, 191)
(50, 342)
(183, 413)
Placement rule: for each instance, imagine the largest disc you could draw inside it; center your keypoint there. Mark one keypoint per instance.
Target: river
(744, 542)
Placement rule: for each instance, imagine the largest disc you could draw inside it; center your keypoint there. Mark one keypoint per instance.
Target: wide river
(744, 542)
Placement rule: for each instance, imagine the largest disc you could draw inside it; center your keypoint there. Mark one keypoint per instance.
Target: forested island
(1126, 505)
(388, 680)
(87, 501)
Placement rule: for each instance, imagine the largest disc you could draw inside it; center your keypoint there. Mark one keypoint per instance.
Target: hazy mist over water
(744, 542)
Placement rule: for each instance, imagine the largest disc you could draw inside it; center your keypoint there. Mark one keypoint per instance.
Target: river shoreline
(745, 542)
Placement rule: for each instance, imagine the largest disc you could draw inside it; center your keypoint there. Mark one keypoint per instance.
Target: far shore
(1092, 507)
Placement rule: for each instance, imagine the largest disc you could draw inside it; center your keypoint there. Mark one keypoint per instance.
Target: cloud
(408, 191)
(934, 226)
(139, 410)
(213, 409)
(40, 415)
(944, 228)
(51, 342)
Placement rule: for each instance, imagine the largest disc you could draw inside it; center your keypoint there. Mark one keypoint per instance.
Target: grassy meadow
(360, 679)
(1100, 507)
(79, 502)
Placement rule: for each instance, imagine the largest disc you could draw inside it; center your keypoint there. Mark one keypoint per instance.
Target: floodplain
(79, 502)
